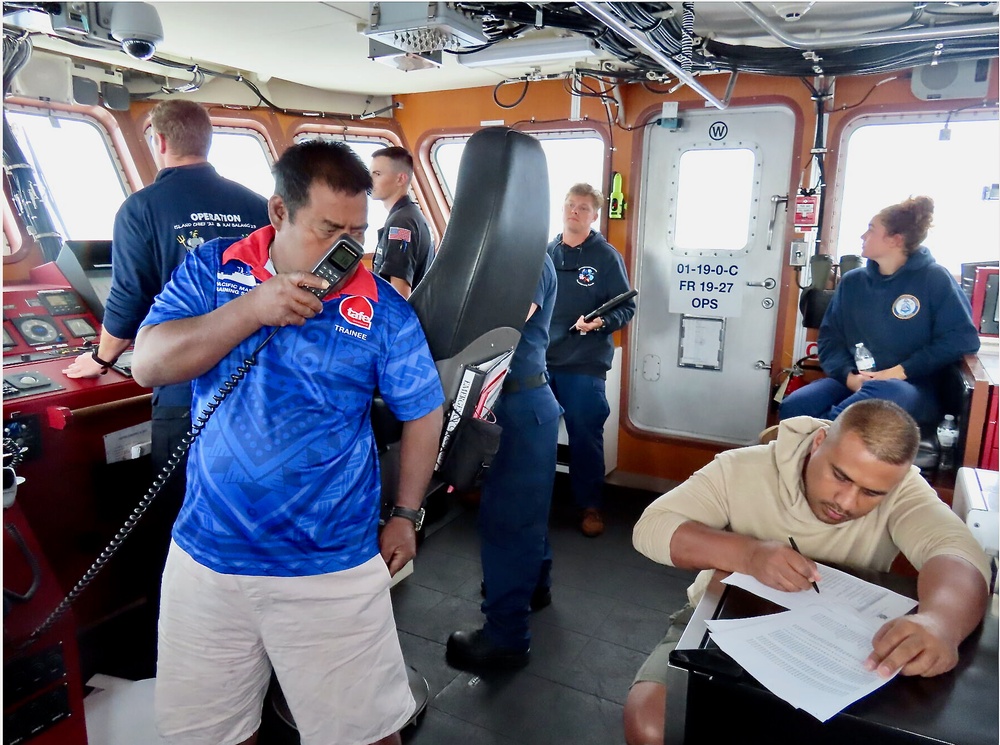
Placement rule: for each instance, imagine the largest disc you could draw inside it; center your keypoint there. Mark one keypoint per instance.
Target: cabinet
(982, 370)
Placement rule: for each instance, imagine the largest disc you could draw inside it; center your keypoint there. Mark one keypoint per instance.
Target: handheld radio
(338, 265)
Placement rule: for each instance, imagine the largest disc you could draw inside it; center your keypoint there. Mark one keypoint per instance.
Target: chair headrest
(490, 259)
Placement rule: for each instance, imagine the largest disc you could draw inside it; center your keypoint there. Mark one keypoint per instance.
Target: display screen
(80, 327)
(61, 302)
(343, 257)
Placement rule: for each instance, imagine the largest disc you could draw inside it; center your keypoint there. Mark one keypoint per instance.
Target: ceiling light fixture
(532, 52)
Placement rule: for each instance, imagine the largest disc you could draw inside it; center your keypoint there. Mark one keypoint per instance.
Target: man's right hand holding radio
(288, 299)
(184, 349)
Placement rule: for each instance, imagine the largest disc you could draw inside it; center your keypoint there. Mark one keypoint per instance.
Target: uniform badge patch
(357, 311)
(905, 307)
(587, 276)
(192, 241)
(399, 234)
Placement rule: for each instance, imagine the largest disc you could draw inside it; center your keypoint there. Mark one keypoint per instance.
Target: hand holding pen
(796, 549)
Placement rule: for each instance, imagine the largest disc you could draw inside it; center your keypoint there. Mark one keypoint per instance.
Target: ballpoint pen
(796, 549)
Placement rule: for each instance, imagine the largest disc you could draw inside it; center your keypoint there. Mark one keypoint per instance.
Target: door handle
(767, 284)
(776, 199)
(761, 365)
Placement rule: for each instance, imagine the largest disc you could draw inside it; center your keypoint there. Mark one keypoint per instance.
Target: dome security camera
(137, 26)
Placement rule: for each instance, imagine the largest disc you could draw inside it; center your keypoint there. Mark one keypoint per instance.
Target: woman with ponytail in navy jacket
(905, 308)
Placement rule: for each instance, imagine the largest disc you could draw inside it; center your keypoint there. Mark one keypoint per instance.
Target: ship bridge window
(952, 158)
(76, 168)
(715, 199)
(11, 237)
(364, 147)
(571, 159)
(242, 155)
(239, 154)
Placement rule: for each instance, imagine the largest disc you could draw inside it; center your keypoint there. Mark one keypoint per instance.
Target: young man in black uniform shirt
(405, 246)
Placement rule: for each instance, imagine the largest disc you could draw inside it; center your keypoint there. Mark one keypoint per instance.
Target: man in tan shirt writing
(849, 494)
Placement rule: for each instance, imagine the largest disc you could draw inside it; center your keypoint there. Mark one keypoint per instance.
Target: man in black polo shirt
(405, 246)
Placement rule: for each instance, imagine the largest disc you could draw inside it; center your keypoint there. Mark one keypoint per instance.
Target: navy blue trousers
(514, 513)
(826, 398)
(585, 406)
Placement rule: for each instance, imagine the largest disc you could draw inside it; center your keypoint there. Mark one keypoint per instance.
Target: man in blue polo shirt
(276, 558)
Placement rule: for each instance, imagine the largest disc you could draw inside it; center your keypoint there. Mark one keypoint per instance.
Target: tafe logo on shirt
(587, 276)
(357, 311)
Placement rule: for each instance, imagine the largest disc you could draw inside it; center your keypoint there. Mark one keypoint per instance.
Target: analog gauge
(36, 330)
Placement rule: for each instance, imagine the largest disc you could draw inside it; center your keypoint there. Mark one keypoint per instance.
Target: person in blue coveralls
(515, 501)
(405, 247)
(590, 272)
(905, 308)
(277, 560)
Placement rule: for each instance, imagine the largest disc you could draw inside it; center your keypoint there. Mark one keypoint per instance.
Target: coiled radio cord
(158, 483)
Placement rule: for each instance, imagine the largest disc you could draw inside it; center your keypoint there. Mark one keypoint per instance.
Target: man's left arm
(952, 595)
(417, 454)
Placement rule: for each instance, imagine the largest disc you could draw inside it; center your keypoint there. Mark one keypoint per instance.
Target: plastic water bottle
(947, 435)
(863, 358)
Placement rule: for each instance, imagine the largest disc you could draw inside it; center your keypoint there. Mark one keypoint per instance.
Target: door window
(715, 204)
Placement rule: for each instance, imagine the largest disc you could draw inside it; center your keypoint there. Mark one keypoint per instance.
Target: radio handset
(339, 265)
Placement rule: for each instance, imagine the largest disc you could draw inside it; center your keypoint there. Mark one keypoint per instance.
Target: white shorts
(331, 639)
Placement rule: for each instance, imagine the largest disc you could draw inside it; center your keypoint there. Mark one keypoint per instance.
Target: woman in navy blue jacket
(905, 308)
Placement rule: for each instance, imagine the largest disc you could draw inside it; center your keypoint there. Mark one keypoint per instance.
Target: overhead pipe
(597, 10)
(897, 36)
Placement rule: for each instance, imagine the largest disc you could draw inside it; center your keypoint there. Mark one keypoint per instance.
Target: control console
(42, 322)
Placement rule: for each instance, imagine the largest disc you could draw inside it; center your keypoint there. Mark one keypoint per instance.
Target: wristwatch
(105, 365)
(414, 516)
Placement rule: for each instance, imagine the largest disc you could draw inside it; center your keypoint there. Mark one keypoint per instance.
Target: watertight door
(708, 270)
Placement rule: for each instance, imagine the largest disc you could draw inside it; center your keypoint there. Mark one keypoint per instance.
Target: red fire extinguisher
(794, 379)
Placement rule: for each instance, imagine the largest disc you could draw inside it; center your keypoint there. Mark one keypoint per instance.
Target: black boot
(472, 650)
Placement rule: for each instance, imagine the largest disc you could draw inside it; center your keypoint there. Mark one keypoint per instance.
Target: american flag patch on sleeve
(399, 234)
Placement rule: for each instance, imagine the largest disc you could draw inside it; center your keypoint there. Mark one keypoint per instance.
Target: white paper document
(812, 655)
(836, 589)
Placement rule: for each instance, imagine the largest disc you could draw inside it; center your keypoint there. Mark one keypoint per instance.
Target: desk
(958, 708)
